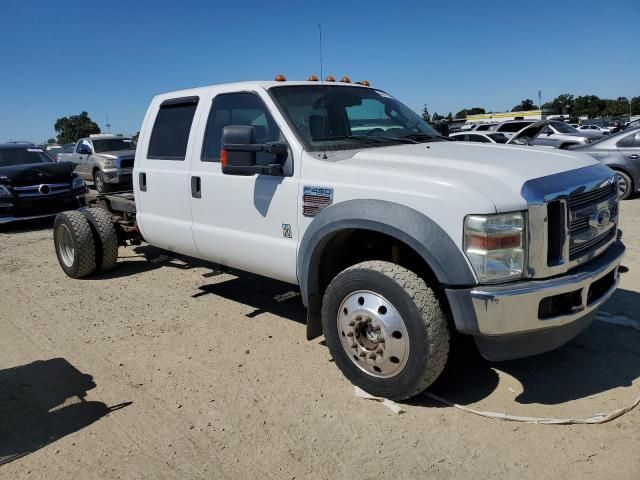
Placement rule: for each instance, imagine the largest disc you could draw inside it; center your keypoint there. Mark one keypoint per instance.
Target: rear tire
(625, 185)
(385, 329)
(74, 244)
(106, 239)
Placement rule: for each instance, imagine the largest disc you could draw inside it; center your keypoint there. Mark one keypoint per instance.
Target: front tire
(98, 181)
(385, 329)
(74, 244)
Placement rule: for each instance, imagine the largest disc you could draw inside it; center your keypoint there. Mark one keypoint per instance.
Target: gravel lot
(159, 370)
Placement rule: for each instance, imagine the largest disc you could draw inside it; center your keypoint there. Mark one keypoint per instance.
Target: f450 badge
(314, 199)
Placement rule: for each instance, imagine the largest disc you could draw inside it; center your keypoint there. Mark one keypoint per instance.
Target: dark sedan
(33, 185)
(621, 152)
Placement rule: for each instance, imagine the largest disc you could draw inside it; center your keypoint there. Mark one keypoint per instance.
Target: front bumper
(16, 210)
(118, 175)
(529, 317)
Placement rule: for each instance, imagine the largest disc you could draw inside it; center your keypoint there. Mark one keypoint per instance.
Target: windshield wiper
(423, 137)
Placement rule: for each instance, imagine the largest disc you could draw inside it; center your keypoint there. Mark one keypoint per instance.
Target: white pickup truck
(396, 237)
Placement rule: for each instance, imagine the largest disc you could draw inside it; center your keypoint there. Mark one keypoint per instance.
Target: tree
(51, 140)
(425, 114)
(435, 117)
(450, 117)
(635, 106)
(470, 111)
(134, 138)
(72, 128)
(524, 105)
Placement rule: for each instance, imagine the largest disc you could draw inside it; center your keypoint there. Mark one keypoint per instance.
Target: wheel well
(350, 247)
(628, 174)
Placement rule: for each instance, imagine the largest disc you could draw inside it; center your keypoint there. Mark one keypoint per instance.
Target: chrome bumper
(514, 308)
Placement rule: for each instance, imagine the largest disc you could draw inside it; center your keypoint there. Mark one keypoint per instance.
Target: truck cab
(397, 238)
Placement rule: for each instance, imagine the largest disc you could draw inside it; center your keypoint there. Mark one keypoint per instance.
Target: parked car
(106, 160)
(592, 131)
(549, 133)
(483, 127)
(66, 148)
(481, 137)
(621, 152)
(33, 185)
(511, 127)
(396, 237)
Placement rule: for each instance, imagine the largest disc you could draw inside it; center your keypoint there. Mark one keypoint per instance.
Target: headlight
(109, 162)
(495, 246)
(77, 183)
(5, 192)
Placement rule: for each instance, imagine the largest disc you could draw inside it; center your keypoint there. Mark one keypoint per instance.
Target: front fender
(405, 224)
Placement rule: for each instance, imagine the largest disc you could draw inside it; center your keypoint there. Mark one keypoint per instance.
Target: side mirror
(239, 149)
(85, 150)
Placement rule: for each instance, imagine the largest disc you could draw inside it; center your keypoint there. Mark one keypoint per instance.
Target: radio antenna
(324, 140)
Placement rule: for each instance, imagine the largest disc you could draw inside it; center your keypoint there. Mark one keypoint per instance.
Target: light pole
(540, 100)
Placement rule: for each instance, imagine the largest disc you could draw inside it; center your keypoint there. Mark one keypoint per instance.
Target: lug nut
(358, 318)
(368, 320)
(354, 345)
(372, 356)
(352, 323)
(380, 351)
(381, 340)
(349, 334)
(376, 328)
(363, 354)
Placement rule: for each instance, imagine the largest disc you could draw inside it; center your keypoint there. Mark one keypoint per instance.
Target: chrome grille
(566, 229)
(42, 190)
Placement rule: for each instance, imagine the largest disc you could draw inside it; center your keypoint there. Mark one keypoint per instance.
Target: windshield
(22, 156)
(562, 127)
(113, 145)
(331, 117)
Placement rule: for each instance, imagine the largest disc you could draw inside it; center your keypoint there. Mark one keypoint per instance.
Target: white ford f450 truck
(396, 237)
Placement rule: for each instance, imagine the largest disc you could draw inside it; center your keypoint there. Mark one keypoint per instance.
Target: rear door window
(170, 134)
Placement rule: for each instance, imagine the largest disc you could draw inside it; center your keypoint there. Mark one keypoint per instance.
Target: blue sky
(111, 57)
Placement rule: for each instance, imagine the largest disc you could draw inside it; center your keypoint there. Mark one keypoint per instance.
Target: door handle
(633, 157)
(142, 181)
(196, 190)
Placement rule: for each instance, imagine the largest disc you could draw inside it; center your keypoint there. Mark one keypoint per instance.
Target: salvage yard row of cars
(107, 161)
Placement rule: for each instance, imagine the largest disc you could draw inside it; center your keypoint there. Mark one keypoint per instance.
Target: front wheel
(98, 181)
(385, 329)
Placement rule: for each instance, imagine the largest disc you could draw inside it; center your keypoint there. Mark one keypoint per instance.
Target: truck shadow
(602, 358)
(42, 402)
(149, 258)
(259, 293)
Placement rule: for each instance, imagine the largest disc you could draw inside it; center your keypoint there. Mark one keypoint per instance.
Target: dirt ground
(162, 370)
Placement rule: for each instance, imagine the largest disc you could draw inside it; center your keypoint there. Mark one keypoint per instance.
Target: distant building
(505, 116)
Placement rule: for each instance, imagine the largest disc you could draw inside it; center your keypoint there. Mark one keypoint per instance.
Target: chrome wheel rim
(622, 185)
(65, 246)
(373, 334)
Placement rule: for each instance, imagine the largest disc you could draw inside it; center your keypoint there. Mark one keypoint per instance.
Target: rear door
(629, 147)
(161, 177)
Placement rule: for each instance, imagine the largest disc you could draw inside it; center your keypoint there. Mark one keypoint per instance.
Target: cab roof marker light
(280, 78)
(312, 78)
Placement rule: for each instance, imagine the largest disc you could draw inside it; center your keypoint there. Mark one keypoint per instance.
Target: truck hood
(496, 171)
(37, 173)
(118, 154)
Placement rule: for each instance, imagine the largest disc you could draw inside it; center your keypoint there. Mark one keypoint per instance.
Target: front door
(245, 222)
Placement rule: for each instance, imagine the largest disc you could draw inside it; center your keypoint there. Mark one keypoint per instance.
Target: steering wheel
(375, 131)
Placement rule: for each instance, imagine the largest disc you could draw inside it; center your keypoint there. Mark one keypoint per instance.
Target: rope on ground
(596, 419)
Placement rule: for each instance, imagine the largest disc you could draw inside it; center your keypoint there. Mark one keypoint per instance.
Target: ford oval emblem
(601, 218)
